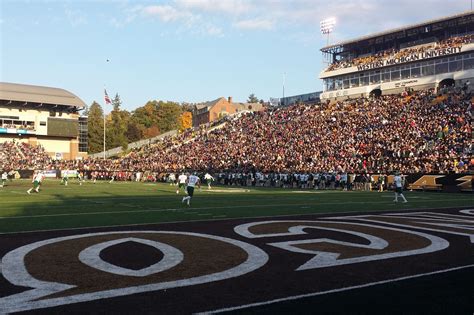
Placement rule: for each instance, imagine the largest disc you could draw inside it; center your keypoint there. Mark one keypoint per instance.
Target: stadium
(356, 199)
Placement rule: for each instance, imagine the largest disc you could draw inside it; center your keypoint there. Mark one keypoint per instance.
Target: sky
(187, 50)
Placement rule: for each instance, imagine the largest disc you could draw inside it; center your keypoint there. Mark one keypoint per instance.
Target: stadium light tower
(327, 26)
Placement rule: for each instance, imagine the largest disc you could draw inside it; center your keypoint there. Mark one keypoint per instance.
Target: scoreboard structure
(43, 116)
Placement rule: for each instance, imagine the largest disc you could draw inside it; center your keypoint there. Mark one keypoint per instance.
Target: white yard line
(296, 297)
(210, 208)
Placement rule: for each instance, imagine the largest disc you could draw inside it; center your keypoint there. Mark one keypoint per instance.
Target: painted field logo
(373, 242)
(73, 269)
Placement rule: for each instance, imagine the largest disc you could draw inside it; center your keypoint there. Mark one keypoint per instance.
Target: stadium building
(43, 116)
(308, 98)
(432, 54)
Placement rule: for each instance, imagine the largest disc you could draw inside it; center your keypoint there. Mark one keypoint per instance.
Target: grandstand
(431, 54)
(43, 116)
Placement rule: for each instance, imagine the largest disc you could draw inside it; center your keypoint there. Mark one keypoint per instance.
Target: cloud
(185, 20)
(299, 18)
(233, 7)
(166, 13)
(254, 24)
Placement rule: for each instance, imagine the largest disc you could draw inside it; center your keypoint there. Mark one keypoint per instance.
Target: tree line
(123, 127)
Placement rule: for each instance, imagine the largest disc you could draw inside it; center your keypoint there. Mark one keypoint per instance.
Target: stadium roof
(39, 94)
(210, 103)
(395, 30)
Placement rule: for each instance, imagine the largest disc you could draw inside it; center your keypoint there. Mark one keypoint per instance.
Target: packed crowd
(394, 53)
(410, 134)
(14, 126)
(421, 132)
(21, 156)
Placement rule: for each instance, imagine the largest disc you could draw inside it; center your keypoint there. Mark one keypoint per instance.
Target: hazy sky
(187, 50)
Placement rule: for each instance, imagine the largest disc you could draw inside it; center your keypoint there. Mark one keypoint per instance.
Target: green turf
(122, 203)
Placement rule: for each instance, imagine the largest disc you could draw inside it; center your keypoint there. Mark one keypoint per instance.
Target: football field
(124, 203)
(135, 248)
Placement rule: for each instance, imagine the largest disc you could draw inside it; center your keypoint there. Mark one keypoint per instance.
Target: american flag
(106, 97)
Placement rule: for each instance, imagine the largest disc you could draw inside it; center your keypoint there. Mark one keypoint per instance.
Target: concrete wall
(133, 145)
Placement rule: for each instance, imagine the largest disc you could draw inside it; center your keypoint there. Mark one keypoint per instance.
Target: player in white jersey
(114, 177)
(65, 177)
(94, 176)
(192, 181)
(80, 178)
(398, 181)
(209, 179)
(138, 176)
(172, 179)
(4, 178)
(37, 180)
(181, 182)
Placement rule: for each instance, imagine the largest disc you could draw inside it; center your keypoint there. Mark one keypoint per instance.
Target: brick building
(216, 109)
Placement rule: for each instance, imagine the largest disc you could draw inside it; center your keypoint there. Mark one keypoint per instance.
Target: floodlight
(327, 25)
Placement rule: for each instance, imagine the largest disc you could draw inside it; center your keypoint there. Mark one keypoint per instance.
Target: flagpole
(104, 129)
(105, 106)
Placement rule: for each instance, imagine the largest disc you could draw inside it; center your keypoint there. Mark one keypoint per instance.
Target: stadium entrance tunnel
(375, 93)
(446, 83)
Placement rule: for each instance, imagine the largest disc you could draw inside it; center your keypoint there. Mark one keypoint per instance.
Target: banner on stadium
(411, 57)
(16, 131)
(70, 173)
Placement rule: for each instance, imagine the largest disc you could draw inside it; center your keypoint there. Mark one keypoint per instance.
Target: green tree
(134, 131)
(117, 127)
(146, 115)
(117, 102)
(168, 116)
(95, 125)
(157, 116)
(252, 98)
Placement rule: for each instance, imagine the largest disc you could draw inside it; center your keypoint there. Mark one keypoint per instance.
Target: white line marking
(323, 258)
(305, 192)
(238, 218)
(468, 211)
(14, 270)
(226, 191)
(296, 297)
(171, 257)
(207, 208)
